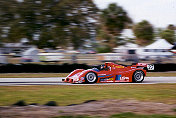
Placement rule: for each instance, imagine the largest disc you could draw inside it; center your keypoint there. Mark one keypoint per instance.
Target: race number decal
(150, 67)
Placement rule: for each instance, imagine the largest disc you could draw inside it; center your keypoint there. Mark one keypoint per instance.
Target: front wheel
(138, 76)
(91, 77)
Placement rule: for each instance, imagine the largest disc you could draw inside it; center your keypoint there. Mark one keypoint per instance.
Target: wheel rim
(138, 76)
(91, 77)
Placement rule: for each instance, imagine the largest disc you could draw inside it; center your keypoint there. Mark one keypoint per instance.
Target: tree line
(76, 23)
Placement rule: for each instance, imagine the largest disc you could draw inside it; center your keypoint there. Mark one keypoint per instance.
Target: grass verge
(31, 75)
(65, 95)
(161, 74)
(123, 115)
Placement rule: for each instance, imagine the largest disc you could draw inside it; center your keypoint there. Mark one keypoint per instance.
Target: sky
(160, 13)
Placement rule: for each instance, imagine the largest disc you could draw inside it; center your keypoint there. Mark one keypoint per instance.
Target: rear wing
(150, 67)
(146, 66)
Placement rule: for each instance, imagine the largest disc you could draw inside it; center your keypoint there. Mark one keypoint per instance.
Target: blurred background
(86, 31)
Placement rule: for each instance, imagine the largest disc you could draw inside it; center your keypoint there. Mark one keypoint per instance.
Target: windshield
(100, 68)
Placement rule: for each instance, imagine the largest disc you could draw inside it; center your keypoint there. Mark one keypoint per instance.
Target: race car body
(110, 72)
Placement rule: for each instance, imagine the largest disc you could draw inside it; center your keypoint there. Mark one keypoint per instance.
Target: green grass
(162, 74)
(174, 110)
(75, 117)
(132, 115)
(123, 115)
(31, 75)
(65, 95)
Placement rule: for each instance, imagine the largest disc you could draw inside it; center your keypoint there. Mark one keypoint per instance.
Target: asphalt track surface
(58, 81)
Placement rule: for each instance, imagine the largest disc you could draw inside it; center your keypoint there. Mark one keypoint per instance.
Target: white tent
(128, 46)
(160, 44)
(127, 33)
(158, 49)
(31, 54)
(3, 58)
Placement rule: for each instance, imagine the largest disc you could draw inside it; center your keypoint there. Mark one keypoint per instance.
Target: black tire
(91, 77)
(138, 76)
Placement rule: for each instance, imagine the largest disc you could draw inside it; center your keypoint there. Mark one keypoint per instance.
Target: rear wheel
(91, 77)
(138, 76)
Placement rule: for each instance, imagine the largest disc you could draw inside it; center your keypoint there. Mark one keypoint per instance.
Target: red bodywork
(115, 73)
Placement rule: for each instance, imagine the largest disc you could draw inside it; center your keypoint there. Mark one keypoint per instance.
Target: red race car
(110, 72)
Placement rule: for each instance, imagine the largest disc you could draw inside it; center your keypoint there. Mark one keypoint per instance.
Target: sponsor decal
(104, 80)
(120, 78)
(100, 75)
(117, 79)
(80, 81)
(82, 78)
(124, 78)
(120, 67)
(107, 79)
(111, 79)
